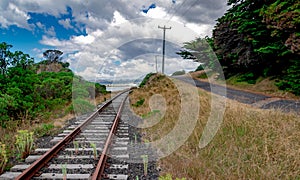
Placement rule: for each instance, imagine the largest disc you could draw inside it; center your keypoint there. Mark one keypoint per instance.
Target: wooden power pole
(163, 55)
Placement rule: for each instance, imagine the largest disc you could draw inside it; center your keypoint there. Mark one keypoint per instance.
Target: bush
(44, 130)
(82, 106)
(178, 73)
(291, 81)
(250, 78)
(139, 103)
(146, 79)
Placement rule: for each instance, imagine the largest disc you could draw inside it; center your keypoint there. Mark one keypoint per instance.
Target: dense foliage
(27, 95)
(258, 38)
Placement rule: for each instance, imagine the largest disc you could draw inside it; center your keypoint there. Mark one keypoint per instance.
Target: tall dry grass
(250, 144)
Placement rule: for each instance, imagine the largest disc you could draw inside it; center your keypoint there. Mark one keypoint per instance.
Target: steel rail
(98, 173)
(33, 169)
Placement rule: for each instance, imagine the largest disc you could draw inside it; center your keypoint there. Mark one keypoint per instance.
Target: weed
(24, 143)
(147, 142)
(76, 146)
(64, 171)
(149, 114)
(166, 177)
(145, 162)
(3, 157)
(93, 145)
(139, 103)
(135, 138)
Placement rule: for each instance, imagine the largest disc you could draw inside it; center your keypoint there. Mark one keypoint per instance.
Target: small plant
(3, 157)
(145, 162)
(93, 145)
(147, 142)
(139, 103)
(166, 177)
(24, 143)
(136, 178)
(76, 147)
(64, 171)
(169, 177)
(135, 138)
(149, 114)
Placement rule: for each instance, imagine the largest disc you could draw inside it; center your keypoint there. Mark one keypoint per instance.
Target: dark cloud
(200, 11)
(140, 47)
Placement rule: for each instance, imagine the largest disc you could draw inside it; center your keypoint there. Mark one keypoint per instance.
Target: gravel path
(257, 100)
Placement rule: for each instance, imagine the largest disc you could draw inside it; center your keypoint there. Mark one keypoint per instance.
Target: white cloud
(118, 19)
(111, 24)
(99, 48)
(50, 31)
(10, 14)
(83, 39)
(66, 23)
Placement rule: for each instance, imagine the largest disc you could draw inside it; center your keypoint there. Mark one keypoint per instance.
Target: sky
(109, 39)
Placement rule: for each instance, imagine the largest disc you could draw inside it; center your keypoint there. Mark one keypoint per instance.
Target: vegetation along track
(76, 151)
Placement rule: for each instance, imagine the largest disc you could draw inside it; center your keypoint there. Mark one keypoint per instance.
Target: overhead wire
(177, 9)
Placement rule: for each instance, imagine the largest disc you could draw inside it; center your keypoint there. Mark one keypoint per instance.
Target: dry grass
(251, 143)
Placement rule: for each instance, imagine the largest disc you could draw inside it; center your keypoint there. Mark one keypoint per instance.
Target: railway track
(81, 151)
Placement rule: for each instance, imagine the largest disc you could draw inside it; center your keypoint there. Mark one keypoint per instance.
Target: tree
(283, 18)
(53, 56)
(5, 57)
(200, 50)
(260, 38)
(19, 59)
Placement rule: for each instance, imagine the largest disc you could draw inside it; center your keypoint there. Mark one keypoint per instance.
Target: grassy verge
(251, 143)
(261, 85)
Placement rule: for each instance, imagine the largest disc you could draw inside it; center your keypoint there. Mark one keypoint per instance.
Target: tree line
(26, 94)
(254, 38)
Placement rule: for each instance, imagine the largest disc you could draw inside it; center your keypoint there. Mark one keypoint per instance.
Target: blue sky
(100, 39)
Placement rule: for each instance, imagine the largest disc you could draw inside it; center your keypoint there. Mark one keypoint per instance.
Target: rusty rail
(98, 173)
(33, 169)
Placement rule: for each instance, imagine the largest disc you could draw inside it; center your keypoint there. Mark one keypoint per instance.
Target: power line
(190, 7)
(176, 9)
(185, 11)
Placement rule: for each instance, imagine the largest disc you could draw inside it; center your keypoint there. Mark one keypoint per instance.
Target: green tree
(53, 56)
(200, 50)
(5, 57)
(246, 41)
(19, 59)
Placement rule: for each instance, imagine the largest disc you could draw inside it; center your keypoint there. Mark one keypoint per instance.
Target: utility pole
(163, 56)
(156, 63)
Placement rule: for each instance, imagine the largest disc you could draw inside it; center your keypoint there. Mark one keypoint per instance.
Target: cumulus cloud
(11, 14)
(120, 39)
(66, 23)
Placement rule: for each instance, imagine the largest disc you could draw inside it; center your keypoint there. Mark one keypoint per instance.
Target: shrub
(82, 106)
(44, 130)
(139, 103)
(145, 80)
